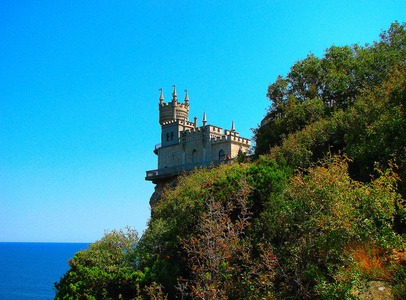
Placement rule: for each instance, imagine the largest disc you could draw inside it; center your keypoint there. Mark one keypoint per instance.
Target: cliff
(319, 214)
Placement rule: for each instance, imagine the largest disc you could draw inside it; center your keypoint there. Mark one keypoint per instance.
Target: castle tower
(172, 111)
(185, 145)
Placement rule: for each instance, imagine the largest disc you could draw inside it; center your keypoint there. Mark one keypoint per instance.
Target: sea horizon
(1, 242)
(30, 269)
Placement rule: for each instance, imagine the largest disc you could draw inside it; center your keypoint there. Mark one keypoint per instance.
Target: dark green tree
(318, 89)
(106, 270)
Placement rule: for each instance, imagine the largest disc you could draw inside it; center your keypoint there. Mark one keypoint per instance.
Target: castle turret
(204, 119)
(172, 111)
(161, 98)
(174, 96)
(186, 99)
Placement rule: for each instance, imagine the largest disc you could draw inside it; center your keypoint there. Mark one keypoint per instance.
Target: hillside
(316, 213)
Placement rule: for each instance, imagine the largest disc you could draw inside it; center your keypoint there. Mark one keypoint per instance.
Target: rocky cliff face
(159, 188)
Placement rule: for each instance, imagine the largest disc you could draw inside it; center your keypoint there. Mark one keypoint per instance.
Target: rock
(373, 290)
(159, 188)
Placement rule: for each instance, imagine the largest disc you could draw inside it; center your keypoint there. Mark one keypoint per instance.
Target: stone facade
(184, 145)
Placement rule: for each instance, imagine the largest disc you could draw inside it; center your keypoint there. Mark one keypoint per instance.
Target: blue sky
(79, 90)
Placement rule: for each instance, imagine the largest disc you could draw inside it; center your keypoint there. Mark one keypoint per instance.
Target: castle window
(222, 155)
(194, 156)
(172, 136)
(167, 136)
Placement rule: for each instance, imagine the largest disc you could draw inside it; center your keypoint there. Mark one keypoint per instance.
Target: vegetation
(106, 270)
(316, 215)
(350, 101)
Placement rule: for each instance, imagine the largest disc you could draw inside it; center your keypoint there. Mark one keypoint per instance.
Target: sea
(28, 270)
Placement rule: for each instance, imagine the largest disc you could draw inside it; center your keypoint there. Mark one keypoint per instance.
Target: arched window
(194, 156)
(167, 137)
(172, 136)
(222, 155)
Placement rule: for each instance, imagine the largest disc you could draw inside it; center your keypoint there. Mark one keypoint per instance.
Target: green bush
(106, 270)
(320, 220)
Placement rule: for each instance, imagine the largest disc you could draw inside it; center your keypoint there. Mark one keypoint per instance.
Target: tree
(336, 81)
(106, 270)
(225, 263)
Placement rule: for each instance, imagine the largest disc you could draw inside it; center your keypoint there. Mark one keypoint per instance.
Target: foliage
(322, 213)
(222, 256)
(106, 270)
(175, 218)
(214, 206)
(317, 89)
(358, 110)
(253, 231)
(376, 126)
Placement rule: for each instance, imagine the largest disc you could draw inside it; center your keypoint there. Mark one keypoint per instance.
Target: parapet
(231, 138)
(173, 110)
(215, 129)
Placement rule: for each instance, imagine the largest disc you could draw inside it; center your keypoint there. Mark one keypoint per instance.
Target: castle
(185, 146)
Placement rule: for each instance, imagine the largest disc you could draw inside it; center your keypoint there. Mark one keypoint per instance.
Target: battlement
(167, 104)
(214, 133)
(193, 130)
(186, 123)
(231, 138)
(173, 111)
(214, 129)
(168, 122)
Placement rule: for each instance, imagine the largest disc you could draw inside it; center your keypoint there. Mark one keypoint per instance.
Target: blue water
(29, 270)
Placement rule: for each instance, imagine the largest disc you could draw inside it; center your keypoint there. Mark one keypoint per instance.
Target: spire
(161, 98)
(174, 93)
(204, 119)
(186, 98)
(232, 127)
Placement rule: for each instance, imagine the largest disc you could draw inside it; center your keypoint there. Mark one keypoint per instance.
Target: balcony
(165, 173)
(157, 146)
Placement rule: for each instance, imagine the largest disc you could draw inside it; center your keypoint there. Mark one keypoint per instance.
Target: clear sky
(79, 90)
